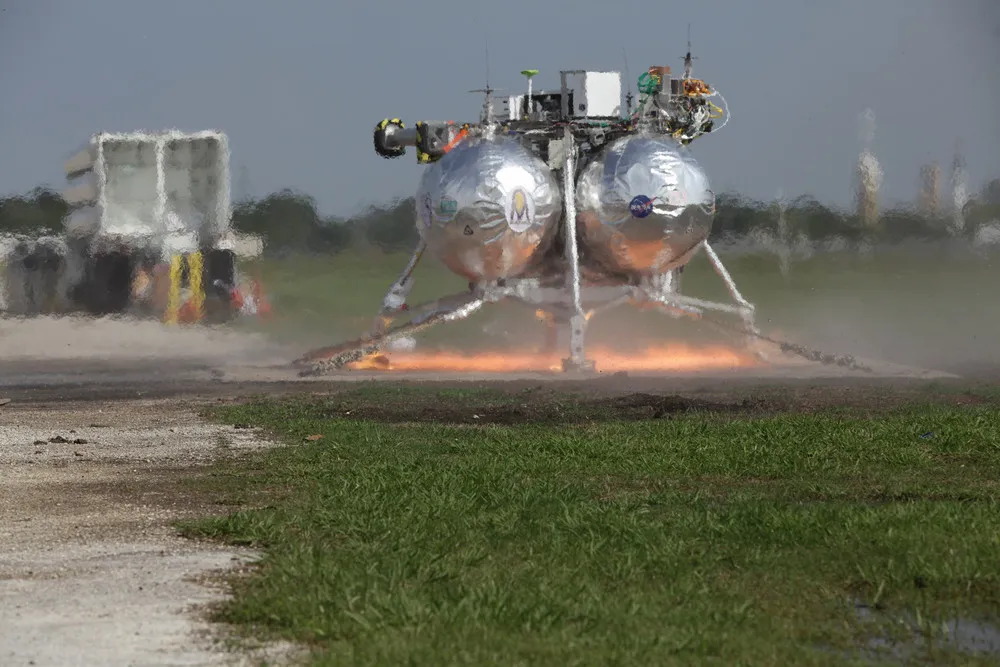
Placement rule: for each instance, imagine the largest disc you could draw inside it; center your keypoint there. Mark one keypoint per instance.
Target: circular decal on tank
(519, 210)
(641, 206)
(447, 209)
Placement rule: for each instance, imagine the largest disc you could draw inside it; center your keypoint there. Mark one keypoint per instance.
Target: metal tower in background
(784, 236)
(960, 190)
(930, 189)
(869, 172)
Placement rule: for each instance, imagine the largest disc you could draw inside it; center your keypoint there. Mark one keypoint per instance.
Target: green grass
(698, 539)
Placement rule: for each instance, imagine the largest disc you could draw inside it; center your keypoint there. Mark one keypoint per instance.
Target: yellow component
(195, 275)
(696, 88)
(386, 122)
(195, 266)
(174, 295)
(422, 157)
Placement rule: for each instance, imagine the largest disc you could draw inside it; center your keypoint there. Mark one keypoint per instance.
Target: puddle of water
(962, 635)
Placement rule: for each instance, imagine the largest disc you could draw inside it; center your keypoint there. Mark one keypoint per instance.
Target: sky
(298, 85)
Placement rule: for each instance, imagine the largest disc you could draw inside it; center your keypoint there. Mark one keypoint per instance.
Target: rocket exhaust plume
(670, 357)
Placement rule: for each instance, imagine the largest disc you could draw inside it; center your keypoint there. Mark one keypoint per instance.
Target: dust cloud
(917, 304)
(126, 339)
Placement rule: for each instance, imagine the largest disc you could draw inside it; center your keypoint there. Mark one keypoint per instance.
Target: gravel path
(91, 573)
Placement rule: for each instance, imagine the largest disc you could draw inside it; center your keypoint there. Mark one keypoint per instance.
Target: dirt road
(91, 571)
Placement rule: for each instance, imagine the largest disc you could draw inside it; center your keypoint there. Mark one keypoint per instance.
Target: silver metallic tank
(487, 207)
(643, 205)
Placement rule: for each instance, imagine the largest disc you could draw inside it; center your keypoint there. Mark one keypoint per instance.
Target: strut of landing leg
(448, 309)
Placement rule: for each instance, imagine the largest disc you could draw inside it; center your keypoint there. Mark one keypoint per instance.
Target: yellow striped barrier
(196, 301)
(195, 275)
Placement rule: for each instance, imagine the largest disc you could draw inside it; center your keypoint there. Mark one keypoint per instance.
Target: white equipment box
(594, 94)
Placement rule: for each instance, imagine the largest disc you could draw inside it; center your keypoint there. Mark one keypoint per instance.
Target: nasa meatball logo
(641, 206)
(520, 210)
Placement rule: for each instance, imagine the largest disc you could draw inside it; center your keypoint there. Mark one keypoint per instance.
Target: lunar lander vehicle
(561, 202)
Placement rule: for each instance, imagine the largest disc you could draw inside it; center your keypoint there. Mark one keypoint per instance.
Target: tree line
(290, 222)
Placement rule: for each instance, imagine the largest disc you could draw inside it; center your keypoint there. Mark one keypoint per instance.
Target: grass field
(473, 527)
(899, 305)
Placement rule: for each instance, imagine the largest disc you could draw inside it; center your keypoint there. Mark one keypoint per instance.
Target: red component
(263, 306)
(236, 298)
(187, 313)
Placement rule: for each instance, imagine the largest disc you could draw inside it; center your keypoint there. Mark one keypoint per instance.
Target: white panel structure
(594, 94)
(148, 186)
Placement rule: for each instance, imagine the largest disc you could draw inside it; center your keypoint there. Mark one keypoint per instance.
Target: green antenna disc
(529, 72)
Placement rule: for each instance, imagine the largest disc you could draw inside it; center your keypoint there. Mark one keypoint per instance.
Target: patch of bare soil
(524, 402)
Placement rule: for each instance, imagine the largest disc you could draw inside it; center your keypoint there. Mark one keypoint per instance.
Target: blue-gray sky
(299, 84)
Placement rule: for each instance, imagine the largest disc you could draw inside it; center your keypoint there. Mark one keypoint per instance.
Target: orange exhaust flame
(673, 357)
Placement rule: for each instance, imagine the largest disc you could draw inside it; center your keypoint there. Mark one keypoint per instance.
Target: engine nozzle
(392, 138)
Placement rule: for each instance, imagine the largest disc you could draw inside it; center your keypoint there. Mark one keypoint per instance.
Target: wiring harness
(685, 114)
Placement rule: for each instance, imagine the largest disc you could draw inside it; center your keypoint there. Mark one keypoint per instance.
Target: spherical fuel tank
(487, 207)
(643, 206)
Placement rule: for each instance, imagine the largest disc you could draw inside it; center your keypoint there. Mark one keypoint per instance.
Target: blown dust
(114, 339)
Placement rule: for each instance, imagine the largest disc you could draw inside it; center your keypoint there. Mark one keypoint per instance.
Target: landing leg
(395, 298)
(446, 309)
(746, 309)
(577, 360)
(663, 290)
